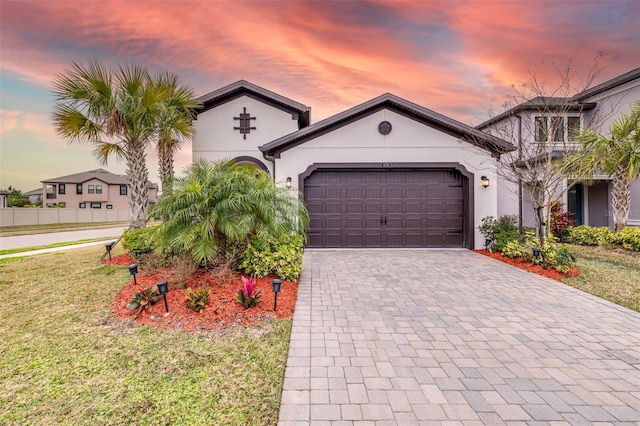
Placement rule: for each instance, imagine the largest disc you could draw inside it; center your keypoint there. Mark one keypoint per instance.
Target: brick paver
(417, 337)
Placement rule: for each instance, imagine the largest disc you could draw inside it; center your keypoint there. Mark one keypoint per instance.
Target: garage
(387, 207)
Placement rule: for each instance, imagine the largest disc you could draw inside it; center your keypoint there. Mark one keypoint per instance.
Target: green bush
(282, 257)
(515, 249)
(501, 231)
(628, 237)
(139, 240)
(197, 299)
(144, 298)
(588, 235)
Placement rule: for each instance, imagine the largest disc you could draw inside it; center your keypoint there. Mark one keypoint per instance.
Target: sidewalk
(36, 240)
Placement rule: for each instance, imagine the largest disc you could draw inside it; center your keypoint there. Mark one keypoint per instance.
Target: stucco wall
(18, 216)
(408, 142)
(216, 139)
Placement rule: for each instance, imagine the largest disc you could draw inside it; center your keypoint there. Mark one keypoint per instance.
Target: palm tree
(617, 155)
(175, 126)
(218, 202)
(120, 112)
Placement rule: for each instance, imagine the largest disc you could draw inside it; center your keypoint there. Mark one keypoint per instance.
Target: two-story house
(548, 128)
(94, 189)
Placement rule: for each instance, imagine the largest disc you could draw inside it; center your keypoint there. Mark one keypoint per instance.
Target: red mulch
(550, 272)
(221, 311)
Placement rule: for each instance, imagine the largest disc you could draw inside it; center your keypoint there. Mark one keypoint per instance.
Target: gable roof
(401, 106)
(33, 192)
(100, 174)
(243, 88)
(608, 85)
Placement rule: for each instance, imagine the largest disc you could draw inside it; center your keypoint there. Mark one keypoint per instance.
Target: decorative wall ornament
(384, 128)
(245, 123)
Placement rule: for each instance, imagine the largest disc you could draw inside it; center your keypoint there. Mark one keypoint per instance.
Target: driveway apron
(404, 337)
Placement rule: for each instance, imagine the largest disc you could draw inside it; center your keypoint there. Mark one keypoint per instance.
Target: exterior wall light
(163, 289)
(133, 270)
(275, 286)
(288, 182)
(484, 181)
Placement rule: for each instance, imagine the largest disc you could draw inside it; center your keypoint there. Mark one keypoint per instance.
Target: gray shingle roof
(607, 85)
(100, 174)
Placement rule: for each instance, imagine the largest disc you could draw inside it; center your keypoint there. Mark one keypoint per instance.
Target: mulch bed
(550, 272)
(222, 310)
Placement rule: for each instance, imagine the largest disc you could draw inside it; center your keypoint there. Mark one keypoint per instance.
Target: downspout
(519, 178)
(272, 160)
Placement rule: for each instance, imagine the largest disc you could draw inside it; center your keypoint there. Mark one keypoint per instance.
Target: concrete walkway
(422, 337)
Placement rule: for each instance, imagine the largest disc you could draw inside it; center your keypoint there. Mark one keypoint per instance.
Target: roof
(540, 104)
(100, 174)
(243, 88)
(401, 106)
(556, 154)
(607, 85)
(37, 191)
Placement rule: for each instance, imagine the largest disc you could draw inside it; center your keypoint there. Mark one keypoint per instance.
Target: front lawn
(66, 360)
(612, 274)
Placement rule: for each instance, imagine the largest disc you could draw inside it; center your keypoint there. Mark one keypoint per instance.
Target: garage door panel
(386, 208)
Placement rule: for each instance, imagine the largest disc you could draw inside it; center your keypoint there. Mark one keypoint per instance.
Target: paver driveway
(453, 337)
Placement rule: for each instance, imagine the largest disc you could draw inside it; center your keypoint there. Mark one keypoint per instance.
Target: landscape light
(275, 286)
(133, 270)
(163, 289)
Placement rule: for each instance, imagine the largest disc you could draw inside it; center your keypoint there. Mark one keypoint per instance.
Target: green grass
(608, 273)
(65, 359)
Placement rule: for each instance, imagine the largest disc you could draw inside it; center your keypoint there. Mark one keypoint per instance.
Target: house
(3, 198)
(555, 123)
(94, 189)
(385, 173)
(34, 195)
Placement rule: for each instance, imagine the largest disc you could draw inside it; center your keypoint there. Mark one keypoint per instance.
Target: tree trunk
(165, 153)
(139, 177)
(620, 197)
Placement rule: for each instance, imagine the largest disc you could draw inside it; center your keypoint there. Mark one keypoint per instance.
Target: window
(563, 128)
(61, 188)
(109, 207)
(78, 188)
(82, 205)
(91, 189)
(541, 129)
(98, 189)
(123, 189)
(573, 128)
(96, 205)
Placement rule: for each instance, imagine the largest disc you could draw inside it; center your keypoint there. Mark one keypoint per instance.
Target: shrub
(501, 231)
(628, 237)
(563, 260)
(197, 299)
(561, 222)
(139, 241)
(248, 295)
(588, 235)
(144, 298)
(514, 249)
(282, 257)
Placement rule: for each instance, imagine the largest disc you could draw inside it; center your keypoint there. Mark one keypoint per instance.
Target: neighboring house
(532, 121)
(34, 195)
(386, 173)
(95, 189)
(3, 198)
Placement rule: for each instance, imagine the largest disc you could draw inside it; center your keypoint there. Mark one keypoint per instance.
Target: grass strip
(54, 245)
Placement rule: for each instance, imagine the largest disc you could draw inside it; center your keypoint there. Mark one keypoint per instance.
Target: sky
(458, 57)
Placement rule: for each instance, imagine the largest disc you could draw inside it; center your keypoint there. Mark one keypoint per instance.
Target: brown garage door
(385, 208)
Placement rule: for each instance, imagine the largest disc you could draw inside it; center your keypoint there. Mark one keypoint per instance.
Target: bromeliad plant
(197, 299)
(248, 295)
(144, 298)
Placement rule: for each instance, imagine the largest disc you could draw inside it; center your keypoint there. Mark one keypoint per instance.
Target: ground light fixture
(275, 286)
(487, 243)
(536, 252)
(109, 246)
(133, 270)
(163, 289)
(484, 181)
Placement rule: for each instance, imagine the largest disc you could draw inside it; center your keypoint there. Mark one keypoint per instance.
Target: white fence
(18, 216)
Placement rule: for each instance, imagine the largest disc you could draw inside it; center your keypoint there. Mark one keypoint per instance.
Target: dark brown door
(385, 208)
